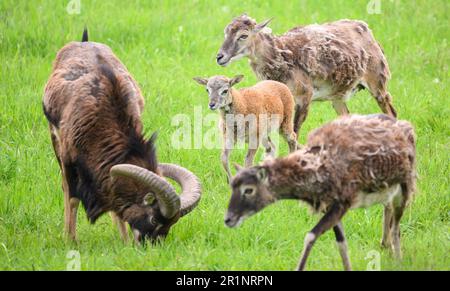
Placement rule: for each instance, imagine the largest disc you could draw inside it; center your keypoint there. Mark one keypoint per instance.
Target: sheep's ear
(262, 25)
(238, 167)
(149, 198)
(262, 174)
(236, 79)
(201, 81)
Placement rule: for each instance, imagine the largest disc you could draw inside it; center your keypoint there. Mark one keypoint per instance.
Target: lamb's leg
(340, 107)
(270, 150)
(331, 218)
(342, 245)
(121, 225)
(250, 157)
(226, 165)
(386, 241)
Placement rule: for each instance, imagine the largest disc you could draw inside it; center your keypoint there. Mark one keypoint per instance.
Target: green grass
(164, 45)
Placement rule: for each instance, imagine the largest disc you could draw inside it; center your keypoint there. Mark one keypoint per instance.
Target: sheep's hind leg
(399, 207)
(331, 218)
(70, 203)
(72, 218)
(386, 241)
(342, 245)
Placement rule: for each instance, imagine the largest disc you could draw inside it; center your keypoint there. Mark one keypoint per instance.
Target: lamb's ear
(261, 174)
(201, 81)
(238, 167)
(236, 79)
(262, 25)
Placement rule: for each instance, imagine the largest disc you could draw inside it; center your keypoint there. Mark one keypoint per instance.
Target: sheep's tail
(84, 38)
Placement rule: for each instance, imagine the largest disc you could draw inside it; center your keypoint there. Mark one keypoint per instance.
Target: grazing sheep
(327, 62)
(264, 107)
(355, 161)
(93, 107)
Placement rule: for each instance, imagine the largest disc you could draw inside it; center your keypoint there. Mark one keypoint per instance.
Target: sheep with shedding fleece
(318, 62)
(352, 162)
(250, 114)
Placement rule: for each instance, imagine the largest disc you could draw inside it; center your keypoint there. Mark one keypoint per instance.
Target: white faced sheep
(323, 62)
(250, 114)
(93, 107)
(355, 161)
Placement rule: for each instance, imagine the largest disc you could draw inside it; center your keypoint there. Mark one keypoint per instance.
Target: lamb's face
(219, 90)
(250, 195)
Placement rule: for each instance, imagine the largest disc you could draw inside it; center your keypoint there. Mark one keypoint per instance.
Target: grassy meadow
(166, 43)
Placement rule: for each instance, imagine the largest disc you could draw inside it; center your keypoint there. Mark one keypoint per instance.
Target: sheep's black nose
(212, 105)
(227, 220)
(219, 56)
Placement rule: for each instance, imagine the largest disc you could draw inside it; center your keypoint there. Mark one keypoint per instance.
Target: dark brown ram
(94, 107)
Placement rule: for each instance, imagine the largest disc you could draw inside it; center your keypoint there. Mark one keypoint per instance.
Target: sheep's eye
(248, 191)
(244, 36)
(153, 220)
(224, 92)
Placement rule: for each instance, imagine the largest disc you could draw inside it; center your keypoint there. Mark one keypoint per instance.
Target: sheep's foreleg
(342, 245)
(121, 225)
(300, 115)
(331, 218)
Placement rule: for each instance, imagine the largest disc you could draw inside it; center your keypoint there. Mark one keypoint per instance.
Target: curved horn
(168, 200)
(190, 185)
